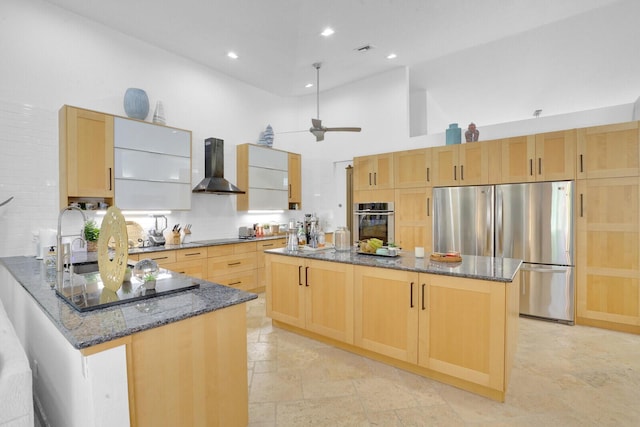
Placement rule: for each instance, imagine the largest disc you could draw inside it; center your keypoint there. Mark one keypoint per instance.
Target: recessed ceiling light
(327, 32)
(309, 85)
(232, 55)
(392, 56)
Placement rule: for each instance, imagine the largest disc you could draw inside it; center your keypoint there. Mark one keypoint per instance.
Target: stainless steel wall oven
(375, 219)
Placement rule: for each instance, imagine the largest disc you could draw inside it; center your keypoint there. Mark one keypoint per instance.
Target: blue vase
(454, 134)
(136, 103)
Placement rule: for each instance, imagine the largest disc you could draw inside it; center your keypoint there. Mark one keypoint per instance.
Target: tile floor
(563, 376)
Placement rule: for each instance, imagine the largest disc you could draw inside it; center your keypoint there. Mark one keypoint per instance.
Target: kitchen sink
(85, 267)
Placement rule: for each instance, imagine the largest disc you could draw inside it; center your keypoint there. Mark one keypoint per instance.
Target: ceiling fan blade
(316, 123)
(318, 133)
(342, 129)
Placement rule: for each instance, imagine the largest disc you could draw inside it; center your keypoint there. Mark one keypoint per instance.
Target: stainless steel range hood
(214, 182)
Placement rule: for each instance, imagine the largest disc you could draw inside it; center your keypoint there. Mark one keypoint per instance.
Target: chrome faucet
(62, 253)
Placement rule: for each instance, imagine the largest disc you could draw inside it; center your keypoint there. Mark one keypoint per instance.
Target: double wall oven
(375, 219)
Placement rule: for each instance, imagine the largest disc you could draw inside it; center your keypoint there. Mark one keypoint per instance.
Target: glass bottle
(302, 237)
(342, 239)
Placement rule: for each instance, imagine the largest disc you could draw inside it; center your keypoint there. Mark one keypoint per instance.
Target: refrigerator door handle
(542, 269)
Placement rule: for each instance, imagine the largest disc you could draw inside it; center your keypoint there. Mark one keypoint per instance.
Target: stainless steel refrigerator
(530, 221)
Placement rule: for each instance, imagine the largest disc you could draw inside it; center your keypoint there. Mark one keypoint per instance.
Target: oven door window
(373, 226)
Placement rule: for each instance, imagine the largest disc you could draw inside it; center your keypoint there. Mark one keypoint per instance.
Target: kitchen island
(178, 359)
(454, 322)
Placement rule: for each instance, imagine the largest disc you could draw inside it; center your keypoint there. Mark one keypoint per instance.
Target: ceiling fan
(317, 129)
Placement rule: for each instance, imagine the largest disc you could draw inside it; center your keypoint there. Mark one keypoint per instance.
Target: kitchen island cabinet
(314, 295)
(178, 359)
(455, 323)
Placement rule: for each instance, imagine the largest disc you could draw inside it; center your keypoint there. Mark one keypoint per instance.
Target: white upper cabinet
(264, 173)
(152, 166)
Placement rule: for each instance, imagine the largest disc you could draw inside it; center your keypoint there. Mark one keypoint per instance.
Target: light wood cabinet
(373, 172)
(608, 253)
(412, 168)
(192, 262)
(608, 151)
(460, 164)
(233, 265)
(192, 372)
(386, 312)
(312, 295)
(262, 246)
(162, 258)
(542, 157)
(295, 181)
(470, 341)
(86, 156)
(413, 218)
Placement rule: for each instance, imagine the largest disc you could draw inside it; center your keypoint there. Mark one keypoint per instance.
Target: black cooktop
(86, 292)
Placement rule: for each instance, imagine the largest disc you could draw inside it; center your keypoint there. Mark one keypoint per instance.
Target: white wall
(51, 57)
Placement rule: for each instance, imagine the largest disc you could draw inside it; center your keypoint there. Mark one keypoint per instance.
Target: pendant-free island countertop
(471, 266)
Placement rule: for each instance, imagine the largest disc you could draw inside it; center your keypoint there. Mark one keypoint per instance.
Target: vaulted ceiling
(470, 56)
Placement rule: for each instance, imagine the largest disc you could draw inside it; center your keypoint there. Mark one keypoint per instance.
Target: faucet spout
(59, 247)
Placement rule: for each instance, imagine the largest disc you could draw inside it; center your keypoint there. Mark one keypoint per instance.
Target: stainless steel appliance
(529, 221)
(375, 219)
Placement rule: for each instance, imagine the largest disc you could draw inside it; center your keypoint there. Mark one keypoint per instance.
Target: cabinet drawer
(193, 267)
(231, 263)
(189, 254)
(244, 280)
(162, 258)
(269, 244)
(233, 248)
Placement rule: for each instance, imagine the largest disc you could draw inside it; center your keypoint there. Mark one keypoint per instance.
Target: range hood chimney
(214, 182)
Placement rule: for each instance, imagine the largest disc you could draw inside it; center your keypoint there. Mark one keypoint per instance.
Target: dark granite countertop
(472, 267)
(202, 243)
(85, 329)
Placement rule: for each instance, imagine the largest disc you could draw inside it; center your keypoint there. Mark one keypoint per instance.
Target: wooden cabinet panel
(556, 155)
(543, 157)
(412, 168)
(463, 324)
(203, 361)
(609, 151)
(86, 156)
(413, 219)
(161, 257)
(311, 294)
(230, 263)
(245, 280)
(608, 253)
(192, 262)
(461, 164)
(386, 312)
(295, 181)
(373, 172)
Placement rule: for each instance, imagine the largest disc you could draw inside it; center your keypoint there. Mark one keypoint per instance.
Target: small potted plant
(91, 235)
(149, 281)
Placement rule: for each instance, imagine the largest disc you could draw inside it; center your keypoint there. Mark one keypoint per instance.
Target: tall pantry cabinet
(413, 198)
(608, 227)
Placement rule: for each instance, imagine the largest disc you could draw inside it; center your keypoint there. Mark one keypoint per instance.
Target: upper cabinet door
(295, 181)
(556, 156)
(86, 155)
(474, 163)
(373, 172)
(608, 151)
(412, 168)
(517, 159)
(445, 165)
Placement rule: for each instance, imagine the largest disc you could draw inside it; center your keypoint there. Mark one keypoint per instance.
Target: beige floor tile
(562, 376)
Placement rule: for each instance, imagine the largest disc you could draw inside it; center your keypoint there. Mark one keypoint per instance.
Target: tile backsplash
(29, 173)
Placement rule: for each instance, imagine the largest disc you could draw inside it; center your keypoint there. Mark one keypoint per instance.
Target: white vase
(158, 115)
